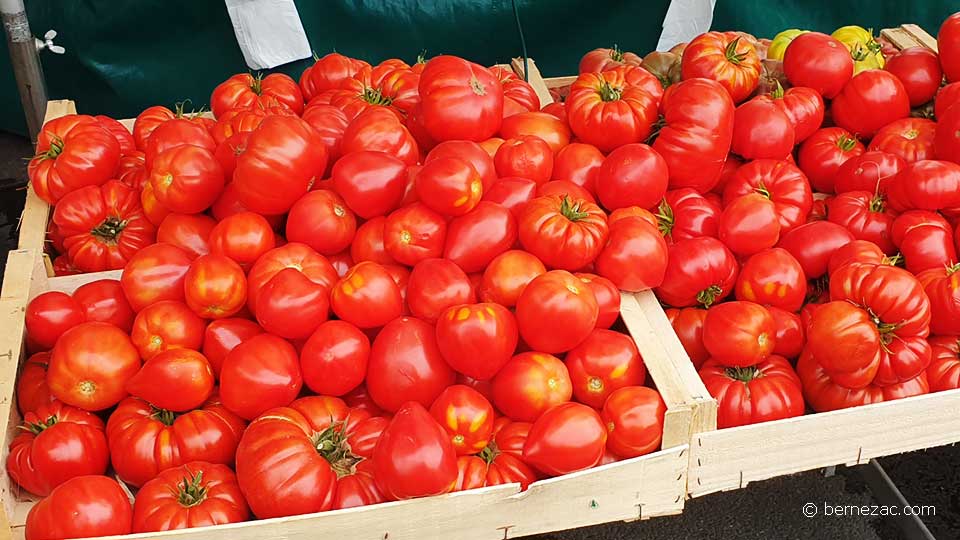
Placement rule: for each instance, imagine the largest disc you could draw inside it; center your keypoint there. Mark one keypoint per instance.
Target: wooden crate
(909, 35)
(639, 488)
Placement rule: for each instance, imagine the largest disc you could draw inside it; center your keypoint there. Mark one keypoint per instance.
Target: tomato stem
(257, 84)
(332, 445)
(655, 129)
(37, 427)
(846, 143)
(164, 416)
(374, 96)
(572, 211)
(951, 269)
(191, 490)
(608, 92)
(477, 88)
(877, 203)
(616, 54)
(743, 374)
(709, 295)
(892, 260)
(732, 55)
(778, 91)
(180, 106)
(109, 230)
(665, 219)
(489, 452)
(762, 190)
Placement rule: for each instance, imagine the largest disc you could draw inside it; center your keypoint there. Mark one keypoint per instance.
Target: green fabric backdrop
(125, 55)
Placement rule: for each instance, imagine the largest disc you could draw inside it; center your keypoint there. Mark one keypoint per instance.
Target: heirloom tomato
(603, 59)
(566, 438)
(291, 305)
(186, 179)
(155, 273)
(460, 100)
(857, 251)
(90, 364)
(943, 373)
(98, 506)
(197, 494)
(699, 271)
(551, 129)
(556, 311)
(529, 384)
(379, 130)
(371, 183)
(781, 182)
(470, 152)
(918, 68)
(449, 186)
(725, 58)
(190, 232)
(215, 287)
(821, 156)
(791, 336)
(907, 140)
(688, 325)
(772, 277)
(608, 298)
(223, 335)
(611, 108)
(926, 185)
(925, 240)
(466, 416)
(334, 358)
(328, 73)
(527, 156)
(477, 339)
(633, 417)
(322, 220)
(578, 163)
(414, 233)
(948, 41)
(32, 390)
(176, 380)
(603, 363)
(73, 151)
(512, 193)
(803, 106)
(51, 314)
(762, 130)
(414, 456)
(767, 391)
(947, 97)
(518, 95)
(871, 100)
(818, 61)
(245, 91)
(739, 334)
(243, 237)
(866, 217)
(406, 365)
(258, 374)
(149, 120)
(563, 233)
(295, 256)
(872, 171)
(823, 394)
(947, 137)
(749, 224)
(942, 286)
(367, 296)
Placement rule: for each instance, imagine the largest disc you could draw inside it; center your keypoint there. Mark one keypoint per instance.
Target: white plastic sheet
(269, 32)
(685, 20)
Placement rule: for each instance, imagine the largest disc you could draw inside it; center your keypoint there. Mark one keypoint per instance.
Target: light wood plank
(559, 82)
(68, 284)
(899, 37)
(535, 79)
(921, 36)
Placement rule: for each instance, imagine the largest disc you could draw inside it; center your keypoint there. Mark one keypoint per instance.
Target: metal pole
(26, 64)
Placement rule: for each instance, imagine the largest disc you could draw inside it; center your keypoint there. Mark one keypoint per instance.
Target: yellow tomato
(864, 50)
(779, 44)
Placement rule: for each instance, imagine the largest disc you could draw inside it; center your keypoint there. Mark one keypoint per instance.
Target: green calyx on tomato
(616, 53)
(743, 374)
(951, 269)
(256, 85)
(762, 190)
(778, 91)
(709, 295)
(164, 416)
(191, 491)
(817, 288)
(374, 96)
(665, 218)
(37, 427)
(608, 92)
(655, 129)
(109, 229)
(489, 452)
(893, 260)
(733, 56)
(877, 203)
(331, 443)
(572, 211)
(56, 146)
(846, 143)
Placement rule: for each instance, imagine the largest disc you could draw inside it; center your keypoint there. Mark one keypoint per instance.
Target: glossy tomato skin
(554, 131)
(813, 243)
(762, 130)
(688, 325)
(566, 438)
(322, 220)
(823, 394)
(844, 336)
(460, 100)
(633, 417)
(223, 335)
(947, 96)
(414, 233)
(603, 363)
(926, 185)
(611, 108)
(607, 295)
(507, 276)
(177, 380)
(32, 390)
(698, 132)
(731, 61)
(477, 339)
(943, 372)
(818, 61)
(367, 296)
(51, 314)
(803, 106)
(857, 251)
(154, 274)
(196, 494)
(563, 233)
(948, 40)
(166, 325)
(749, 224)
(258, 374)
(602, 59)
(918, 68)
(215, 287)
(473, 240)
(292, 305)
(791, 336)
(871, 100)
(684, 213)
(334, 358)
(821, 156)
(511, 193)
(947, 142)
(634, 257)
(772, 277)
(379, 129)
(529, 384)
(72, 152)
(466, 416)
(767, 391)
(90, 364)
(406, 365)
(99, 504)
(699, 271)
(527, 156)
(245, 90)
(631, 175)
(556, 311)
(103, 301)
(187, 231)
(781, 182)
(186, 179)
(577, 163)
(871, 171)
(925, 240)
(942, 288)
(414, 456)
(865, 215)
(470, 152)
(434, 286)
(739, 334)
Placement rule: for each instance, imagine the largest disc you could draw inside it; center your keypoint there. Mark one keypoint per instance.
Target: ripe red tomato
(176, 380)
(699, 271)
(244, 91)
(330, 123)
(102, 226)
(818, 61)
(90, 365)
(871, 100)
(566, 438)
(821, 156)
(149, 120)
(684, 213)
(947, 96)
(634, 420)
(866, 216)
(948, 41)
(466, 416)
(612, 108)
(823, 394)
(434, 286)
(472, 153)
(379, 129)
(944, 369)
(222, 336)
(367, 296)
(529, 384)
(577, 163)
(942, 286)
(791, 336)
(243, 237)
(925, 240)
(602, 59)
(215, 287)
(918, 69)
(73, 151)
(551, 129)
(406, 365)
(926, 185)
(749, 224)
(632, 175)
(321, 220)
(872, 172)
(295, 256)
(767, 391)
(762, 130)
(857, 251)
(334, 359)
(174, 133)
(688, 325)
(563, 233)
(634, 257)
(186, 179)
(607, 295)
(449, 186)
(813, 243)
(556, 311)
(328, 73)
(258, 374)
(739, 334)
(166, 325)
(905, 140)
(725, 58)
(773, 277)
(371, 183)
(460, 100)
(414, 456)
(604, 362)
(507, 275)
(803, 106)
(190, 232)
(477, 339)
(512, 193)
(119, 132)
(527, 156)
(51, 314)
(414, 233)
(197, 494)
(97, 505)
(292, 305)
(697, 132)
(55, 443)
(32, 390)
(155, 273)
(947, 138)
(781, 182)
(475, 239)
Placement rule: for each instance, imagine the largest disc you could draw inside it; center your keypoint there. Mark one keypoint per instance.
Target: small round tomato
(905, 140)
(197, 494)
(191, 232)
(334, 358)
(566, 438)
(406, 365)
(821, 156)
(477, 339)
(175, 380)
(818, 61)
(739, 334)
(434, 286)
(155, 273)
(291, 305)
(634, 257)
(633, 417)
(871, 100)
(767, 391)
(259, 374)
(607, 295)
(602, 363)
(215, 287)
(90, 365)
(414, 233)
(97, 504)
(321, 220)
(726, 58)
(773, 277)
(186, 179)
(222, 336)
(476, 238)
(749, 224)
(460, 100)
(688, 325)
(761, 130)
(552, 130)
(813, 243)
(529, 384)
(468, 151)
(371, 183)
(507, 275)
(699, 271)
(51, 314)
(466, 416)
(527, 156)
(632, 175)
(578, 163)
(556, 311)
(166, 325)
(563, 233)
(449, 186)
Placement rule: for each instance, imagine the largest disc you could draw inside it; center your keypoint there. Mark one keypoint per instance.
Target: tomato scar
(595, 384)
(406, 237)
(463, 314)
(481, 316)
(87, 388)
(461, 201)
(338, 210)
(573, 289)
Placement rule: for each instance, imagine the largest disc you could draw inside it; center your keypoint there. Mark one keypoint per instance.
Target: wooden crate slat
(534, 78)
(921, 36)
(559, 82)
(900, 39)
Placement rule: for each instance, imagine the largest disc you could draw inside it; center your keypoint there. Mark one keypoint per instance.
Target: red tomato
(634, 257)
(414, 233)
(803, 106)
(32, 390)
(97, 505)
(222, 336)
(414, 456)
(51, 314)
(175, 133)
(725, 58)
(925, 240)
(947, 96)
(871, 100)
(149, 120)
(293, 255)
(608, 298)
(611, 108)
(229, 204)
(166, 325)
(245, 90)
(566, 438)
(334, 358)
(215, 287)
(475, 239)
(406, 365)
(773, 277)
(688, 325)
(282, 159)
(378, 129)
(813, 243)
(477, 339)
(258, 374)
(103, 301)
(602, 363)
(767, 391)
(243, 237)
(866, 217)
(55, 443)
(942, 286)
(291, 305)
(321, 220)
(449, 186)
(948, 41)
(155, 273)
(328, 73)
(563, 233)
(371, 183)
(871, 172)
(529, 384)
(821, 156)
(527, 156)
(368, 243)
(470, 152)
(435, 285)
(634, 420)
(739, 334)
(518, 95)
(512, 193)
(551, 129)
(905, 140)
(602, 59)
(460, 100)
(947, 138)
(154, 211)
(330, 123)
(491, 145)
(119, 132)
(90, 365)
(189, 232)
(632, 175)
(556, 312)
(197, 494)
(578, 163)
(186, 179)
(73, 151)
(944, 369)
(699, 271)
(761, 130)
(926, 185)
(823, 394)
(791, 336)
(341, 262)
(781, 182)
(818, 61)
(749, 224)
(857, 251)
(684, 213)
(918, 69)
(697, 132)
(466, 416)
(102, 226)
(176, 380)
(507, 276)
